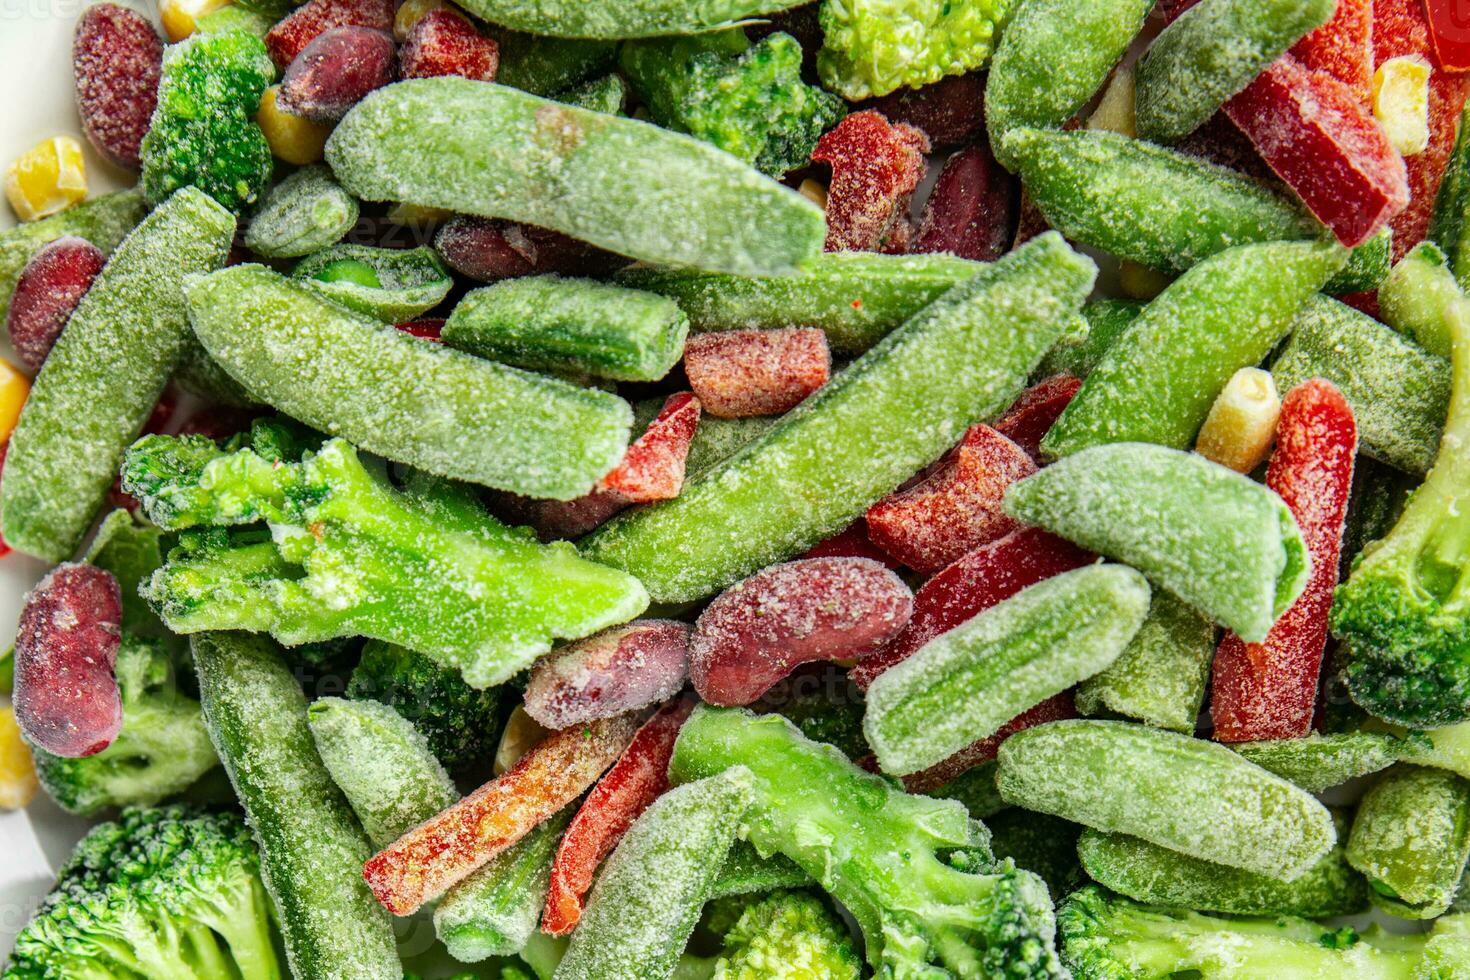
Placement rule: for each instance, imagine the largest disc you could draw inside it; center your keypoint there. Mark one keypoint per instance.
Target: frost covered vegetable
(1319, 762)
(350, 555)
(1411, 837)
(786, 935)
(303, 213)
(749, 100)
(104, 221)
(871, 47)
(615, 20)
(203, 131)
(1415, 296)
(392, 284)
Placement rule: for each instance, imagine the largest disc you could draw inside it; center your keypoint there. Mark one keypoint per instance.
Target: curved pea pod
(1220, 541)
(1156, 875)
(552, 323)
(1158, 381)
(104, 222)
(394, 285)
(626, 186)
(1411, 837)
(311, 846)
(1182, 793)
(650, 893)
(1052, 58)
(618, 20)
(963, 357)
(1320, 762)
(103, 377)
(1160, 676)
(443, 411)
(965, 684)
(302, 214)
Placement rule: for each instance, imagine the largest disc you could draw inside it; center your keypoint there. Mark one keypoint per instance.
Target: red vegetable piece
(958, 508)
(1269, 690)
(640, 776)
(973, 209)
(66, 697)
(653, 467)
(444, 42)
(852, 543)
(620, 669)
(558, 520)
(488, 250)
(759, 630)
(1030, 222)
(5, 549)
(1322, 140)
(1343, 47)
(1169, 10)
(336, 71)
(117, 58)
(1449, 22)
(970, 586)
(312, 19)
(427, 329)
(49, 288)
(445, 849)
(1055, 708)
(876, 166)
(739, 373)
(1036, 411)
(951, 111)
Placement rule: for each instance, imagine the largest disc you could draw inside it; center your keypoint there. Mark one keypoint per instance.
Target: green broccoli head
(786, 935)
(162, 749)
(461, 723)
(872, 47)
(166, 894)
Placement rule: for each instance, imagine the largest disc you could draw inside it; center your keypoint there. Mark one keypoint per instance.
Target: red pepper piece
(1036, 411)
(444, 42)
(972, 210)
(1055, 708)
(852, 543)
(951, 111)
(620, 669)
(1449, 22)
(1269, 690)
(971, 585)
(1343, 47)
(640, 776)
(315, 17)
(653, 467)
(876, 166)
(739, 373)
(1321, 139)
(955, 510)
(449, 847)
(427, 329)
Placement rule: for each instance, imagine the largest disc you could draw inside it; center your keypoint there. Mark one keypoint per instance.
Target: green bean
(104, 222)
(1448, 227)
(624, 185)
(1320, 762)
(311, 846)
(1411, 837)
(617, 19)
(716, 440)
(302, 214)
(963, 357)
(396, 286)
(1414, 298)
(103, 377)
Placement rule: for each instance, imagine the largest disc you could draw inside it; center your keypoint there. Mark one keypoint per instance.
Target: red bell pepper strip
(1449, 22)
(640, 776)
(1055, 708)
(1343, 47)
(653, 467)
(1036, 411)
(1268, 690)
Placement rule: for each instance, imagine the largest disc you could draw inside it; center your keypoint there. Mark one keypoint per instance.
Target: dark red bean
(488, 250)
(951, 112)
(48, 290)
(973, 209)
(620, 669)
(117, 57)
(310, 20)
(336, 71)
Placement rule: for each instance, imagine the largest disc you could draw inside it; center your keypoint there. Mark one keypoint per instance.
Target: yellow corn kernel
(179, 16)
(410, 12)
(522, 734)
(49, 177)
(1115, 110)
(1139, 281)
(17, 768)
(1401, 102)
(1242, 422)
(293, 139)
(14, 387)
(814, 191)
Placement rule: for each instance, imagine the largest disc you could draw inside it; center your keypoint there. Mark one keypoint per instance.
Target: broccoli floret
(345, 553)
(162, 894)
(203, 132)
(162, 749)
(1404, 613)
(461, 723)
(748, 100)
(1108, 937)
(915, 872)
(871, 47)
(785, 935)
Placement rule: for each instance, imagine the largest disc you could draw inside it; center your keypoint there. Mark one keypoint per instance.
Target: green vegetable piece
(1411, 837)
(394, 285)
(1449, 747)
(349, 555)
(311, 847)
(382, 765)
(1367, 266)
(856, 298)
(1040, 843)
(872, 47)
(1399, 392)
(648, 896)
(1052, 58)
(1158, 381)
(716, 440)
(1156, 875)
(494, 911)
(7, 671)
(1107, 320)
(1414, 297)
(749, 100)
(440, 410)
(1215, 49)
(104, 376)
(203, 132)
(976, 789)
(617, 19)
(131, 550)
(1447, 227)
(626, 186)
(104, 222)
(302, 214)
(1160, 677)
(1379, 496)
(552, 323)
(607, 94)
(545, 65)
(1320, 762)
(965, 684)
(1182, 793)
(1220, 541)
(745, 872)
(784, 936)
(234, 17)
(963, 357)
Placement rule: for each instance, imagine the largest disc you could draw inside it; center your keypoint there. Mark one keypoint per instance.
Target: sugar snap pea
(1107, 319)
(1411, 837)
(394, 285)
(302, 214)
(617, 19)
(104, 222)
